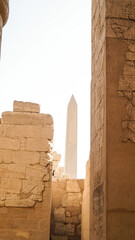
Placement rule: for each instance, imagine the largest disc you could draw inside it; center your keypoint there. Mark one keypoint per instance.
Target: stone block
(16, 131)
(24, 157)
(75, 220)
(70, 228)
(74, 210)
(22, 118)
(3, 130)
(4, 172)
(14, 168)
(37, 144)
(68, 214)
(72, 186)
(5, 156)
(10, 185)
(81, 184)
(23, 203)
(57, 196)
(30, 185)
(71, 199)
(36, 172)
(60, 228)
(57, 175)
(120, 10)
(68, 220)
(19, 106)
(7, 144)
(56, 157)
(65, 176)
(41, 132)
(59, 214)
(26, 131)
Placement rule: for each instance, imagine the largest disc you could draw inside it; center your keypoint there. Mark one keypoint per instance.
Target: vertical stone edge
(98, 123)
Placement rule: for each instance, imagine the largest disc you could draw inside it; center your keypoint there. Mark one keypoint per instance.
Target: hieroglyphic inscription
(127, 89)
(98, 204)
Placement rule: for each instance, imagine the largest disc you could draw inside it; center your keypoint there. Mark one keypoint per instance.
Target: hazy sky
(45, 59)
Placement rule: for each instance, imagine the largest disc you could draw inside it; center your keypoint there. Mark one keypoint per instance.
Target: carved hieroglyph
(127, 89)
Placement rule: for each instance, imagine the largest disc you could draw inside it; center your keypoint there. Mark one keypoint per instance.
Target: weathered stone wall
(112, 187)
(4, 10)
(25, 173)
(120, 62)
(66, 208)
(98, 109)
(86, 205)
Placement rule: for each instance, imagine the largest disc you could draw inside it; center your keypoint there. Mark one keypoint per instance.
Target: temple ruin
(25, 172)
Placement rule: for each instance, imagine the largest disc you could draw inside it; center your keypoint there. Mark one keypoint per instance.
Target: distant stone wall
(66, 208)
(25, 173)
(86, 205)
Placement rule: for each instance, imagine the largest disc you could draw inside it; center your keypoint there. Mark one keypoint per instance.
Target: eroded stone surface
(19, 106)
(59, 214)
(25, 154)
(127, 90)
(72, 186)
(66, 208)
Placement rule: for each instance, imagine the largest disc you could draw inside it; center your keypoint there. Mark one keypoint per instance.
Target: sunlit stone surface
(71, 139)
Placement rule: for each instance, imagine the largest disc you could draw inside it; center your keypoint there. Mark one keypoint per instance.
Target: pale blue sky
(45, 59)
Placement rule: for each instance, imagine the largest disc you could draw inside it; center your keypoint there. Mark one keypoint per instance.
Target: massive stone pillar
(71, 140)
(4, 11)
(112, 163)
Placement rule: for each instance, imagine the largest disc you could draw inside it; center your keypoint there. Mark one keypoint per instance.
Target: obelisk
(71, 140)
(4, 11)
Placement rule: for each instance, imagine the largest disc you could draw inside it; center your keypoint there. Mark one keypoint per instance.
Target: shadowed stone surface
(66, 208)
(112, 165)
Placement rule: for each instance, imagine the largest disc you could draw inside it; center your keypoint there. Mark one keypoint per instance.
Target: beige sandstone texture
(25, 173)
(58, 172)
(112, 166)
(26, 107)
(85, 232)
(4, 11)
(66, 209)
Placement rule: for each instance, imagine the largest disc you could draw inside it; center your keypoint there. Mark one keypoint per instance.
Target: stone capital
(4, 10)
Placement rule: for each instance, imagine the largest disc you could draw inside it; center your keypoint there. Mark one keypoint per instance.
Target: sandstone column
(71, 140)
(112, 164)
(4, 11)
